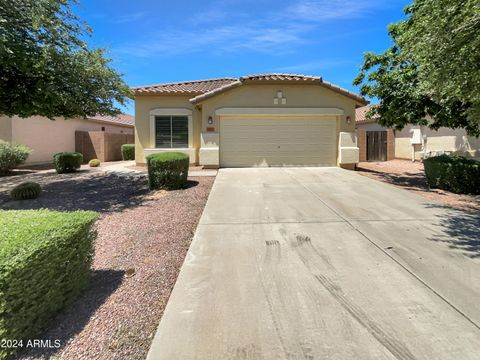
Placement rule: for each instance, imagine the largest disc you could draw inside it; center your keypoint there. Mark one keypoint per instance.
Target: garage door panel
(292, 141)
(274, 148)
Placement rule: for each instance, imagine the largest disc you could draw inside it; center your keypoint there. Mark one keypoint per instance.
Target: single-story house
(377, 143)
(47, 137)
(255, 120)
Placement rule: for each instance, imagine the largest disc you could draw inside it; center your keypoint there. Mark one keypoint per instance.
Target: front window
(171, 131)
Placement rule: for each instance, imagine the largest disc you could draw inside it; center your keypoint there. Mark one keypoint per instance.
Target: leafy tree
(47, 69)
(425, 75)
(444, 38)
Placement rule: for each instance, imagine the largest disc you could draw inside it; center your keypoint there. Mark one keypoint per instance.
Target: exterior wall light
(210, 120)
(349, 120)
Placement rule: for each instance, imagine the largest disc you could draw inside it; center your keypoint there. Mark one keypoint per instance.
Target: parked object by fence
(101, 145)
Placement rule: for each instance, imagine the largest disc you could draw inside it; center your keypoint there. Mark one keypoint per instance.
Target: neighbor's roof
(184, 87)
(360, 115)
(121, 120)
(204, 89)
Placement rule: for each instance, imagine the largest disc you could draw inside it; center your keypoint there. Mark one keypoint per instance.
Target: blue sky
(152, 42)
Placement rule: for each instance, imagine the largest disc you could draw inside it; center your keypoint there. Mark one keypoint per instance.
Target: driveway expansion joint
(386, 253)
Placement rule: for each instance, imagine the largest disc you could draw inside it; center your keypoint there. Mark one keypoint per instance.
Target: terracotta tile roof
(282, 77)
(204, 89)
(216, 91)
(122, 119)
(360, 115)
(345, 92)
(184, 87)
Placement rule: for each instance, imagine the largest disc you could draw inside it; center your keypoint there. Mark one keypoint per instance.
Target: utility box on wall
(416, 138)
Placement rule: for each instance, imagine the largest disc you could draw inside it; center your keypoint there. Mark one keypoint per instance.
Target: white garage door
(277, 141)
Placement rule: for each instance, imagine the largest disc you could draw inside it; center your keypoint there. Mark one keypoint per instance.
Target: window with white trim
(171, 131)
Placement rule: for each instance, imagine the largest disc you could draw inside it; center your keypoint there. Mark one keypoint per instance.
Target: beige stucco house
(46, 137)
(256, 120)
(412, 141)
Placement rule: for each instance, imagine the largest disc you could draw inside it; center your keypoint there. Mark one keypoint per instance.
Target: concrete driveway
(322, 263)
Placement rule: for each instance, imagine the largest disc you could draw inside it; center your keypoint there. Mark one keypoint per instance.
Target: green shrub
(67, 162)
(453, 173)
(167, 170)
(45, 263)
(26, 190)
(12, 155)
(94, 163)
(128, 151)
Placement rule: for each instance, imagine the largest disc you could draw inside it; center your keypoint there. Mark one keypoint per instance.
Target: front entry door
(376, 145)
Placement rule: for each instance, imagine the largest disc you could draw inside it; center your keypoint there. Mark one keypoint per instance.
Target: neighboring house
(377, 143)
(47, 137)
(256, 120)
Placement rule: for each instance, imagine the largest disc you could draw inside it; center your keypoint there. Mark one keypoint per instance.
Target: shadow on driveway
(409, 180)
(460, 232)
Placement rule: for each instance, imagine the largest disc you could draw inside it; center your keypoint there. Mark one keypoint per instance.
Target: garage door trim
(257, 143)
(277, 111)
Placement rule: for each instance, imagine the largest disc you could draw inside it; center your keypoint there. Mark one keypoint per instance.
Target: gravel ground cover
(142, 241)
(411, 176)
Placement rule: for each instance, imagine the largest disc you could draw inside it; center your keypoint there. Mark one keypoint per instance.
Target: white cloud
(218, 40)
(129, 17)
(278, 29)
(324, 10)
(313, 66)
(210, 16)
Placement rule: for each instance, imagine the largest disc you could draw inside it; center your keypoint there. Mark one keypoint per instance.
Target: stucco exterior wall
(445, 139)
(5, 129)
(247, 95)
(454, 140)
(144, 104)
(47, 137)
(371, 127)
(297, 96)
(258, 95)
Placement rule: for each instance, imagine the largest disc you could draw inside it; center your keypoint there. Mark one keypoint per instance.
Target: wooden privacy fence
(101, 145)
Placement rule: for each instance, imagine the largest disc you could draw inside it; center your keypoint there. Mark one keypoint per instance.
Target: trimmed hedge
(94, 163)
(26, 190)
(168, 170)
(128, 151)
(67, 162)
(45, 261)
(12, 155)
(453, 173)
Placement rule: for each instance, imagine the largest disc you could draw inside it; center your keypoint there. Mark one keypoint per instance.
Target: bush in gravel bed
(128, 151)
(167, 170)
(453, 173)
(67, 162)
(12, 155)
(45, 261)
(26, 190)
(94, 163)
